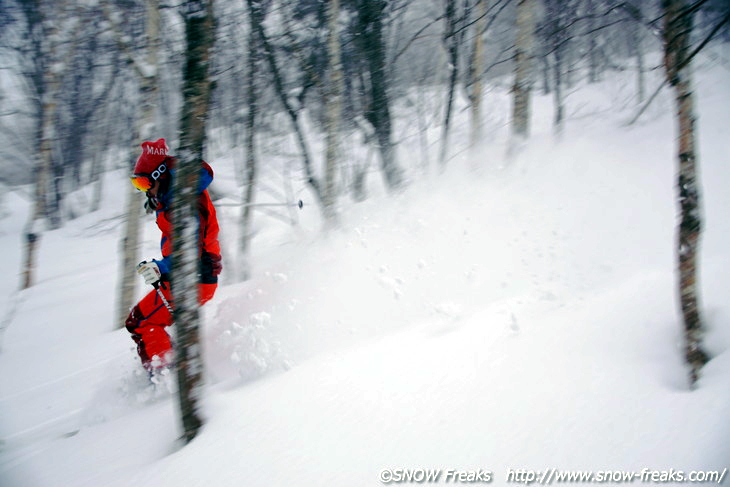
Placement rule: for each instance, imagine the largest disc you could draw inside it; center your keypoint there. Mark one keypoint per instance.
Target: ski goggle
(142, 182)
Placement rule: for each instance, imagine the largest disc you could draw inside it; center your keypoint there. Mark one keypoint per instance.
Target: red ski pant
(149, 318)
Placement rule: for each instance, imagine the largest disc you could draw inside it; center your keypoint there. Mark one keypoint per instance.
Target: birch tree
(560, 16)
(199, 36)
(636, 45)
(90, 75)
(333, 107)
(677, 33)
(257, 23)
(144, 128)
(522, 69)
(452, 41)
(368, 27)
(34, 20)
(475, 73)
(47, 28)
(250, 171)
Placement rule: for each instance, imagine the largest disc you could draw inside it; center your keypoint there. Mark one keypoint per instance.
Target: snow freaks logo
(423, 476)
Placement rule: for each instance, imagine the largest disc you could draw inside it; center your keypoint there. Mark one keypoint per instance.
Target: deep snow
(519, 315)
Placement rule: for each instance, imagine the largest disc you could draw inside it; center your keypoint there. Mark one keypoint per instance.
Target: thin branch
(485, 14)
(415, 37)
(646, 105)
(256, 14)
(704, 43)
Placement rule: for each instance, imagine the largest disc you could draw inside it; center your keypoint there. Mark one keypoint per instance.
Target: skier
(153, 174)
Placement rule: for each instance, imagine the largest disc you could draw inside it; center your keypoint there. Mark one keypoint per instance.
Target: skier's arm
(165, 264)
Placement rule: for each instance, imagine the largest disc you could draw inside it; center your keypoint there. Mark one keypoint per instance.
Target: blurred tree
(392, 53)
(145, 127)
(200, 38)
(523, 68)
(678, 19)
(367, 33)
(636, 44)
(92, 72)
(250, 170)
(257, 19)
(560, 17)
(475, 72)
(452, 40)
(333, 107)
(48, 23)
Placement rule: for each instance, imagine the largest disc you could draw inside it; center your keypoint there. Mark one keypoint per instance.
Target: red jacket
(209, 249)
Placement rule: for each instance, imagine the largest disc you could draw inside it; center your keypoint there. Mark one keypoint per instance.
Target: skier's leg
(146, 323)
(148, 320)
(206, 292)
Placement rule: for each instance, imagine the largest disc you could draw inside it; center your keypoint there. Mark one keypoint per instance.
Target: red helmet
(151, 165)
(153, 154)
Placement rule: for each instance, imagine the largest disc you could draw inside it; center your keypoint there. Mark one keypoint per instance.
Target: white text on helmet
(157, 151)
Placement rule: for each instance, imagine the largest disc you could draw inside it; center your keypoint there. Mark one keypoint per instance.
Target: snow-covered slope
(518, 317)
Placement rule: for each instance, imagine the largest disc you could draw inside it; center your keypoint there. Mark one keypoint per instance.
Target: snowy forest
(470, 241)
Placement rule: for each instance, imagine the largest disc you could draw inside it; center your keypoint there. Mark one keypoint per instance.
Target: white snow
(521, 316)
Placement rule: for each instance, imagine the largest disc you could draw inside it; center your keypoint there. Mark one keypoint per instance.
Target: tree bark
(249, 185)
(635, 40)
(333, 112)
(144, 129)
(196, 99)
(129, 250)
(254, 9)
(372, 47)
(48, 78)
(677, 32)
(594, 71)
(476, 67)
(523, 61)
(451, 40)
(559, 103)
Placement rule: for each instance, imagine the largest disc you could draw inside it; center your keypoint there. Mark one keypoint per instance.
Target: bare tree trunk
(333, 113)
(640, 78)
(38, 216)
(148, 76)
(32, 234)
(476, 73)
(196, 99)
(144, 129)
(97, 171)
(523, 61)
(254, 9)
(50, 83)
(451, 39)
(677, 32)
(372, 46)
(129, 249)
(423, 132)
(251, 162)
(558, 91)
(635, 45)
(639, 52)
(545, 71)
